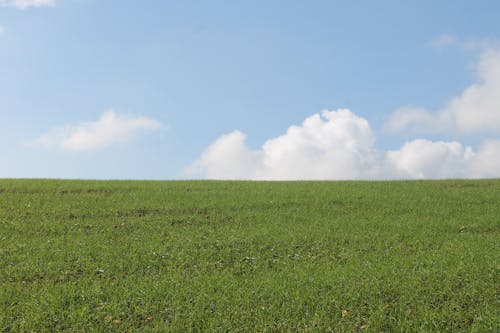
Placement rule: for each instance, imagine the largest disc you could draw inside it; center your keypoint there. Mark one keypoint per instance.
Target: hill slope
(249, 256)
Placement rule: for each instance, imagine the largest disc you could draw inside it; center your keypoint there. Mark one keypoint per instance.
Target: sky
(264, 90)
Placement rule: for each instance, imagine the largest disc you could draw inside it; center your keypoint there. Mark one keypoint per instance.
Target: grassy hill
(249, 256)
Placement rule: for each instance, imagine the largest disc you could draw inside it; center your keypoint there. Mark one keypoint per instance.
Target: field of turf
(198, 256)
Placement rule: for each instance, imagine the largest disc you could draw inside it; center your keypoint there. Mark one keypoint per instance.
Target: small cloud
(412, 119)
(479, 44)
(340, 145)
(2, 29)
(23, 4)
(475, 110)
(111, 128)
(446, 40)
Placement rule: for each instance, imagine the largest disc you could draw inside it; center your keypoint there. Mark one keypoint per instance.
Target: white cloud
(23, 4)
(340, 145)
(422, 159)
(335, 144)
(228, 158)
(2, 29)
(486, 162)
(110, 129)
(476, 110)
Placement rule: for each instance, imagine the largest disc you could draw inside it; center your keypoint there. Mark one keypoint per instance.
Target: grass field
(249, 256)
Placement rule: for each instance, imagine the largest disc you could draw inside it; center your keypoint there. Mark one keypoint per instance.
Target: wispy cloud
(111, 128)
(23, 4)
(475, 110)
(447, 40)
(340, 145)
(444, 40)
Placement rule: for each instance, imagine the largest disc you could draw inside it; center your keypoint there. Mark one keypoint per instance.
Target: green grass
(249, 256)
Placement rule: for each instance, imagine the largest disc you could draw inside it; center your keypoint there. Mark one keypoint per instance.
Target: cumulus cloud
(475, 110)
(23, 4)
(228, 158)
(486, 163)
(427, 159)
(340, 145)
(109, 129)
(335, 144)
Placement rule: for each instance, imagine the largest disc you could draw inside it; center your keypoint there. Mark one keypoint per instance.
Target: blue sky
(208, 89)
